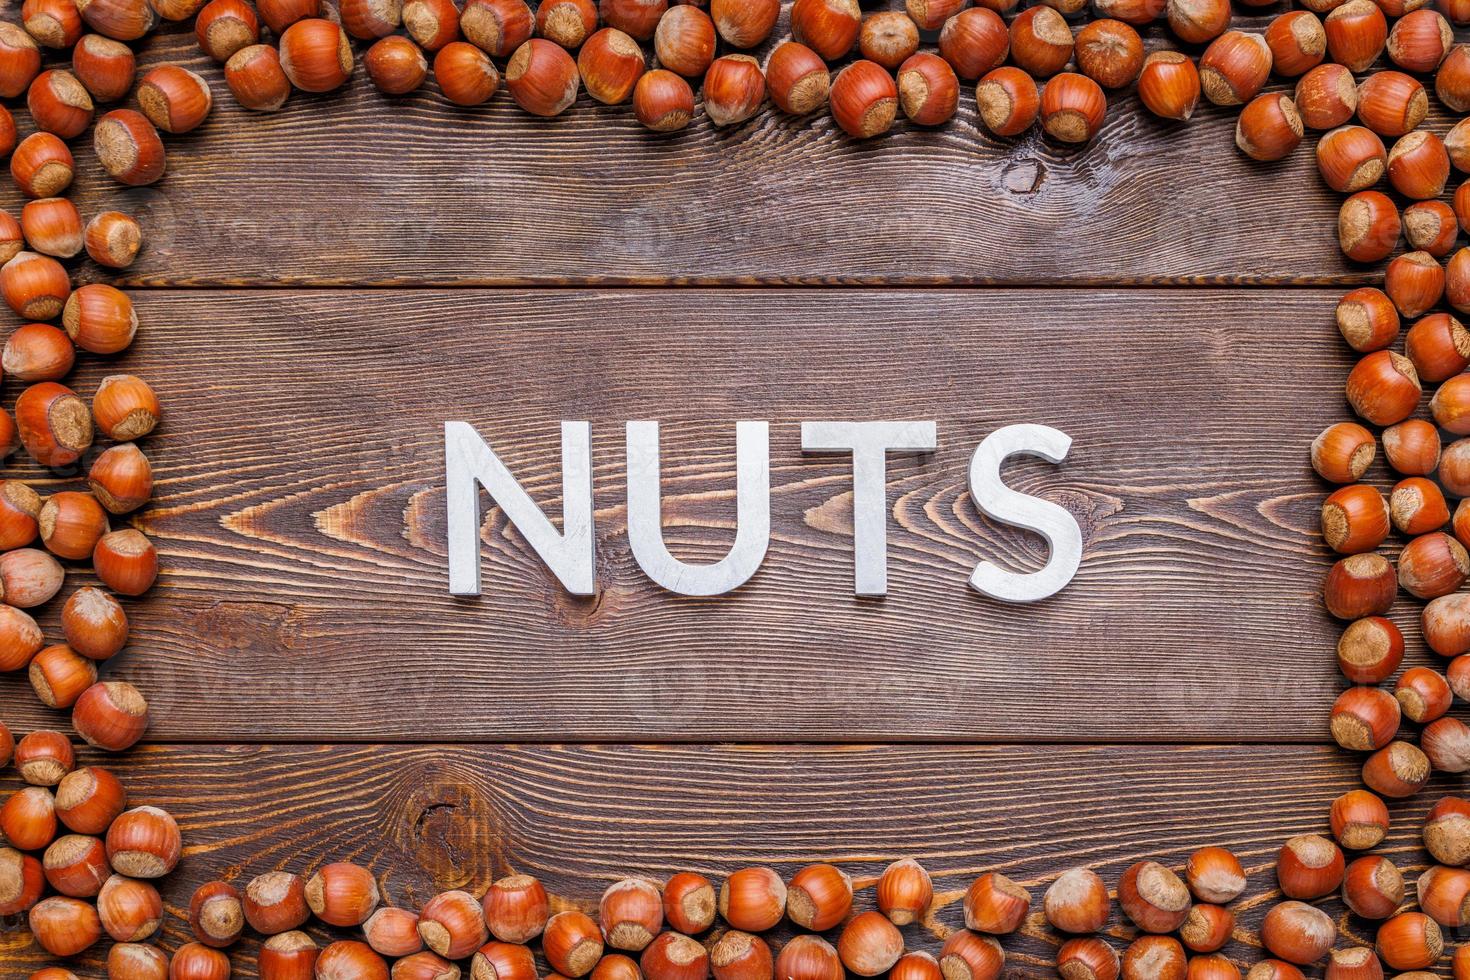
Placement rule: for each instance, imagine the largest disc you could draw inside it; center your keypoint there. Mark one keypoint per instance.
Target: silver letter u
(752, 509)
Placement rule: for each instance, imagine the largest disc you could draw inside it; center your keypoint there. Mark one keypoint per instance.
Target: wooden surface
(432, 817)
(300, 516)
(318, 695)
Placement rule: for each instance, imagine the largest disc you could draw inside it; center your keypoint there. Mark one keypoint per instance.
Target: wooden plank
(301, 516)
(431, 817)
(353, 189)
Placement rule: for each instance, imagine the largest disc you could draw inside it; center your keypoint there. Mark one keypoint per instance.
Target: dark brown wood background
(318, 695)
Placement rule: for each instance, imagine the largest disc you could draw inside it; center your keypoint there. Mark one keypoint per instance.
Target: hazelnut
(1412, 447)
(89, 799)
(1077, 901)
(1109, 52)
(431, 23)
(281, 14)
(1326, 96)
(71, 524)
(734, 89)
(870, 944)
(396, 65)
(974, 42)
(1351, 158)
(752, 899)
(130, 910)
(662, 101)
(293, 956)
(53, 23)
(256, 79)
(995, 904)
(1297, 41)
(1368, 227)
(215, 914)
(224, 27)
(631, 913)
(542, 77)
(1356, 34)
(905, 891)
(1169, 85)
(128, 147)
(59, 675)
(59, 104)
(685, 40)
(1207, 927)
(64, 926)
(928, 90)
(1197, 21)
(1088, 958)
(1420, 40)
(1310, 866)
(819, 897)
(315, 55)
(828, 27)
(797, 78)
(104, 67)
(864, 99)
(1431, 226)
(1398, 770)
(1373, 887)
(637, 18)
(889, 38)
(43, 757)
(744, 23)
(1269, 128)
(572, 944)
(611, 63)
(174, 99)
(342, 894)
(112, 716)
(516, 908)
(1297, 932)
(1154, 958)
(20, 60)
(510, 961)
(125, 20)
(1417, 506)
(566, 22)
(969, 956)
(29, 578)
(741, 956)
(1419, 165)
(1355, 519)
(465, 74)
(1391, 103)
(452, 924)
(1360, 585)
(370, 20)
(1410, 941)
(275, 903)
(1072, 108)
(1234, 68)
(1041, 41)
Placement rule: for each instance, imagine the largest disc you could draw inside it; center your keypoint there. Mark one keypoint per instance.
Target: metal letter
(869, 443)
(752, 510)
(470, 464)
(1052, 522)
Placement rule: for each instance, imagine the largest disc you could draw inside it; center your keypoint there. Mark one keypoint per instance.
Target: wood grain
(433, 817)
(353, 188)
(300, 516)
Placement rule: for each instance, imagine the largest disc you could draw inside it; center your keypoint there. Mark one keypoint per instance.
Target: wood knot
(264, 626)
(441, 816)
(1023, 176)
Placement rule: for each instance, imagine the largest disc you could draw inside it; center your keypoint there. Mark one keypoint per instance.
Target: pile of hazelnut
(546, 56)
(58, 429)
(659, 925)
(101, 870)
